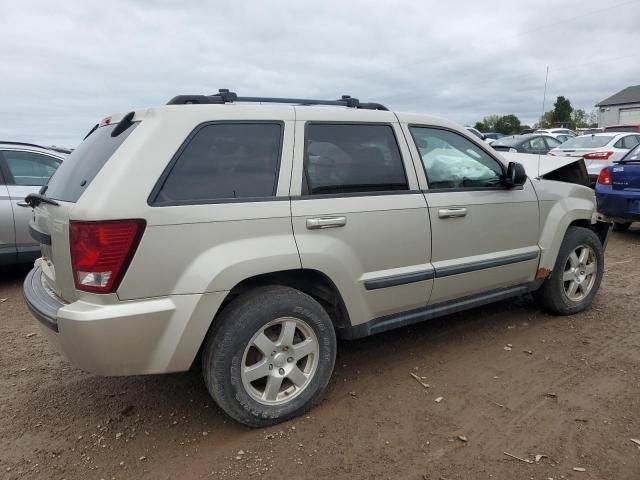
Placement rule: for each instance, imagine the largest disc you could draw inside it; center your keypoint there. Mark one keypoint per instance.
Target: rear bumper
(619, 204)
(156, 335)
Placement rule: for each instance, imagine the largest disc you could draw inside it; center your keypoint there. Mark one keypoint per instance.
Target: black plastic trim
(225, 96)
(153, 196)
(39, 236)
(42, 305)
(396, 320)
(178, 203)
(399, 280)
(483, 264)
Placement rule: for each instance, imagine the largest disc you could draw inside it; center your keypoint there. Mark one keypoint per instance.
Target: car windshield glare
(587, 141)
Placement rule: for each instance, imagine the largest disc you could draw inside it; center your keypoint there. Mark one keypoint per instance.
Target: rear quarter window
(78, 171)
(223, 162)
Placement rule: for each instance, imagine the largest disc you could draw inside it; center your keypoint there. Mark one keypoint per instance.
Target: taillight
(101, 252)
(605, 177)
(597, 155)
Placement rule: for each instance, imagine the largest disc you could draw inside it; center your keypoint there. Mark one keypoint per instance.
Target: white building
(623, 108)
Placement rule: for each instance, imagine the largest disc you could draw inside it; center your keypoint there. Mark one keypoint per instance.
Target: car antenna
(544, 99)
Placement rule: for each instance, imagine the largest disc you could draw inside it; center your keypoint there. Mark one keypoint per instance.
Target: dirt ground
(568, 389)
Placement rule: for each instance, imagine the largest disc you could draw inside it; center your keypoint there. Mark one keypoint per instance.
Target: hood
(565, 169)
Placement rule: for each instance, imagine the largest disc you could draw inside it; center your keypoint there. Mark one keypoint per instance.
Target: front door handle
(326, 222)
(452, 212)
(22, 203)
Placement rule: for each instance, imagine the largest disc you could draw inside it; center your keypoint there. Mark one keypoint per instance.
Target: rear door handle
(22, 203)
(452, 212)
(326, 222)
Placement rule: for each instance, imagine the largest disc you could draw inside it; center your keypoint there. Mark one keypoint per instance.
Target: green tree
(546, 121)
(562, 111)
(579, 119)
(508, 124)
(488, 123)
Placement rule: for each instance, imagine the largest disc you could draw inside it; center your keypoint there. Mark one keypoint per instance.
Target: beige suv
(251, 232)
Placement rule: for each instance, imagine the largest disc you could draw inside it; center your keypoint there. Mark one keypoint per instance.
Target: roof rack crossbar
(225, 96)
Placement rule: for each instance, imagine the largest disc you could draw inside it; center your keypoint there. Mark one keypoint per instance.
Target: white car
(556, 131)
(599, 150)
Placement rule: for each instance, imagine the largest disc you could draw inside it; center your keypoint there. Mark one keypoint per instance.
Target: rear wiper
(35, 199)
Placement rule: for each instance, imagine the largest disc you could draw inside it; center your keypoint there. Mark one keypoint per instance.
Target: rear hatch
(625, 175)
(50, 224)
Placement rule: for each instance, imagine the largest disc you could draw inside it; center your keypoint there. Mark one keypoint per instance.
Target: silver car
(24, 169)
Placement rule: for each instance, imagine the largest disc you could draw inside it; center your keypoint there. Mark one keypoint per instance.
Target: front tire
(577, 274)
(269, 356)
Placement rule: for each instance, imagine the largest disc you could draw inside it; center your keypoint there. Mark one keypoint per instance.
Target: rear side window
(27, 168)
(223, 161)
(78, 171)
(349, 158)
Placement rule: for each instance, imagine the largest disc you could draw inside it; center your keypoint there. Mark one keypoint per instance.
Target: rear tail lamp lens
(597, 155)
(101, 252)
(605, 177)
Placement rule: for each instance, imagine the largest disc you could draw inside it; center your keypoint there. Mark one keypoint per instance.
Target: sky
(65, 65)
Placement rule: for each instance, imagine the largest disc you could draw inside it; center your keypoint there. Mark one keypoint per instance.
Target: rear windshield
(79, 169)
(587, 141)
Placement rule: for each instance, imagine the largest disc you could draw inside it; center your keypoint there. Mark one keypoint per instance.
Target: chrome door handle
(452, 212)
(326, 222)
(22, 203)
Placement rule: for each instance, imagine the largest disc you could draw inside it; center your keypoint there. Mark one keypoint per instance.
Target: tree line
(562, 115)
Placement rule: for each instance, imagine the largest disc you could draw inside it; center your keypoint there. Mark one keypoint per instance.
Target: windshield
(587, 141)
(78, 170)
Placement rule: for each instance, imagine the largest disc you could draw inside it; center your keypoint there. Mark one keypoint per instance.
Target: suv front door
(358, 215)
(484, 236)
(25, 172)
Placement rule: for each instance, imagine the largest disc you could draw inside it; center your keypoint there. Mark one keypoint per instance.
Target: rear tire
(269, 355)
(574, 281)
(621, 227)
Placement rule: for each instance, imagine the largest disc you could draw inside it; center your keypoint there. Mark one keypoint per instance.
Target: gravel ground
(565, 395)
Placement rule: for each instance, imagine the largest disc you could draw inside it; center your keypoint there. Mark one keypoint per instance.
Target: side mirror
(516, 175)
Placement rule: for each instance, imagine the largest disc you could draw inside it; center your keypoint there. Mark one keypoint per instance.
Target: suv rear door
(357, 213)
(484, 236)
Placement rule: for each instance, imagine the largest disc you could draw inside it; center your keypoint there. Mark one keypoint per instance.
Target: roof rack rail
(226, 96)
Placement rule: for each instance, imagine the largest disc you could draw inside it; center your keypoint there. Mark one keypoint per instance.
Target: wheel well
(313, 283)
(601, 229)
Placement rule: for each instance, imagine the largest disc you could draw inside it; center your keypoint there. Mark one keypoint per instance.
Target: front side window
(28, 168)
(452, 161)
(350, 158)
(225, 161)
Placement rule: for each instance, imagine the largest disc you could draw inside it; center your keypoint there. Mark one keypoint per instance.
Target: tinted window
(84, 163)
(452, 161)
(352, 158)
(28, 168)
(225, 161)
